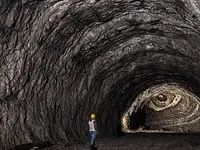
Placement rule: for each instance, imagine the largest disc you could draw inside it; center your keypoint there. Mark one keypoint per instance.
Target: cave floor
(140, 141)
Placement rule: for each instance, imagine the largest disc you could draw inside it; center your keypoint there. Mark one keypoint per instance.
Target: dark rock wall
(62, 60)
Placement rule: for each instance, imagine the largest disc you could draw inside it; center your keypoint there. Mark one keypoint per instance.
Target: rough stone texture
(62, 60)
(141, 142)
(173, 109)
(165, 108)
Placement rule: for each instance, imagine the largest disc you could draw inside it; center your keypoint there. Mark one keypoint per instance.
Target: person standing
(93, 131)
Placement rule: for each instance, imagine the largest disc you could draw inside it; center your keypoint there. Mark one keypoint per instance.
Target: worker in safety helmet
(93, 131)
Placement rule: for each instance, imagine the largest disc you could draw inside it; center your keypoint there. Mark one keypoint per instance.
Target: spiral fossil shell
(168, 107)
(179, 112)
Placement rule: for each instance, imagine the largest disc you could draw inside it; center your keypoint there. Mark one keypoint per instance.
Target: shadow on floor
(29, 146)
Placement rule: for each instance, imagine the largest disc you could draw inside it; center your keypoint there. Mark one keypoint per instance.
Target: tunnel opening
(137, 120)
(132, 96)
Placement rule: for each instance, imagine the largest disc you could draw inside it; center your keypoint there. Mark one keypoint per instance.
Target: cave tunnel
(167, 107)
(135, 64)
(137, 119)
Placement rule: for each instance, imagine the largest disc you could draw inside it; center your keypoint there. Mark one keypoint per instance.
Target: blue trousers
(92, 137)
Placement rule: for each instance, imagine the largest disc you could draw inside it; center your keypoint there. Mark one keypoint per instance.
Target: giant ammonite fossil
(166, 108)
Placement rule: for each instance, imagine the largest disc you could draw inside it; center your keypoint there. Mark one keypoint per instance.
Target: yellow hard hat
(92, 116)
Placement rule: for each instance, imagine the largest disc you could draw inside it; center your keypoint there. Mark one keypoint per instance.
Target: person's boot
(91, 147)
(94, 147)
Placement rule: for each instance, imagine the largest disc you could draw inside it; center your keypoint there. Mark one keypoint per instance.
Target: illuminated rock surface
(164, 108)
(62, 60)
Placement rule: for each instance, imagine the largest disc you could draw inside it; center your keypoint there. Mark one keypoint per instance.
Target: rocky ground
(138, 141)
(146, 142)
(143, 142)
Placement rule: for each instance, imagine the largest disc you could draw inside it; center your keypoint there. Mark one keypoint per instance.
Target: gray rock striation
(62, 60)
